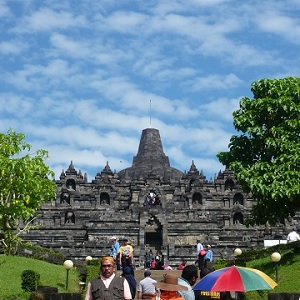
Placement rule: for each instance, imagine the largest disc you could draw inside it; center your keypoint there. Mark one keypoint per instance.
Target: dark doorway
(153, 234)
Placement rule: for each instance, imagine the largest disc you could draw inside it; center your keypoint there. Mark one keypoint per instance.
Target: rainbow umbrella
(235, 279)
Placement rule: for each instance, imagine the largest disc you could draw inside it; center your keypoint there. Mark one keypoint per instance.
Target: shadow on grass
(61, 285)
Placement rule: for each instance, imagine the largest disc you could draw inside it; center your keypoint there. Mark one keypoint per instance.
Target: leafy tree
(265, 157)
(24, 185)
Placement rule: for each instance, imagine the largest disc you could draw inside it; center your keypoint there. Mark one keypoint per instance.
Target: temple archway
(104, 199)
(197, 198)
(238, 218)
(238, 198)
(153, 233)
(229, 184)
(71, 184)
(65, 198)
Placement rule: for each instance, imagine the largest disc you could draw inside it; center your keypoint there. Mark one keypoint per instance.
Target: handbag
(202, 252)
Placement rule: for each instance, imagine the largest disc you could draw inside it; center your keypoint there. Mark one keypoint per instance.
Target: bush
(221, 263)
(30, 280)
(40, 253)
(93, 267)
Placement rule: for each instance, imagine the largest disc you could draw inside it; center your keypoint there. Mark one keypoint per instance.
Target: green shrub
(221, 263)
(93, 269)
(30, 280)
(40, 253)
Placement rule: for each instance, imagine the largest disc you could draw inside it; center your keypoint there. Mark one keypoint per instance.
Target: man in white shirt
(293, 236)
(199, 247)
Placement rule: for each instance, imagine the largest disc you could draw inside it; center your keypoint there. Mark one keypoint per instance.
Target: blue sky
(77, 76)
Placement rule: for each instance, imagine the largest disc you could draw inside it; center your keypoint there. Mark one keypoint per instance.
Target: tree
(265, 157)
(24, 185)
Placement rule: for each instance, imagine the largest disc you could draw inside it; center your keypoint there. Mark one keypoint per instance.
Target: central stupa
(150, 159)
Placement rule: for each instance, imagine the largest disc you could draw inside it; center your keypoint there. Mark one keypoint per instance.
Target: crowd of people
(152, 200)
(110, 286)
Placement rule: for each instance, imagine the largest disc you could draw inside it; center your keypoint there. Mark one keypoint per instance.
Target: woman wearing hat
(168, 288)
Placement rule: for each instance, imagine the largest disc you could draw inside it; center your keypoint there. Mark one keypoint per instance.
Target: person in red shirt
(153, 264)
(182, 265)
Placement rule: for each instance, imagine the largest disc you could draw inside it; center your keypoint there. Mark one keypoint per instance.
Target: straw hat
(170, 283)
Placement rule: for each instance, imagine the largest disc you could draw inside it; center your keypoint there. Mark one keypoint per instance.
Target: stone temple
(153, 204)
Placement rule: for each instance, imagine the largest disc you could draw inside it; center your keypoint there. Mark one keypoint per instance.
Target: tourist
(208, 256)
(200, 255)
(113, 287)
(126, 254)
(146, 289)
(159, 265)
(188, 278)
(147, 260)
(182, 265)
(168, 288)
(153, 264)
(167, 267)
(128, 273)
(158, 256)
(293, 236)
(199, 247)
(114, 248)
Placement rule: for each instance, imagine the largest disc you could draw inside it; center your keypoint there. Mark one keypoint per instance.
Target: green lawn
(288, 271)
(11, 268)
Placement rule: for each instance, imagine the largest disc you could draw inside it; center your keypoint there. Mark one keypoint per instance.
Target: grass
(11, 268)
(288, 272)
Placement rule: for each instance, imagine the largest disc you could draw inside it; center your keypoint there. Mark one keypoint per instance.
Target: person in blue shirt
(209, 256)
(114, 248)
(188, 278)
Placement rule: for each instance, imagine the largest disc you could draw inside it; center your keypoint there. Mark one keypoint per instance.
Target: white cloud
(216, 81)
(4, 9)
(46, 19)
(221, 108)
(125, 21)
(285, 26)
(12, 47)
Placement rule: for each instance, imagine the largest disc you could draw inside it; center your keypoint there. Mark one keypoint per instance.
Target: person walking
(128, 273)
(126, 254)
(108, 285)
(209, 256)
(114, 247)
(199, 247)
(188, 278)
(200, 255)
(146, 288)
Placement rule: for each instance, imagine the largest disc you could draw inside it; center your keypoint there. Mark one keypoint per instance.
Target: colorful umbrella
(235, 279)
